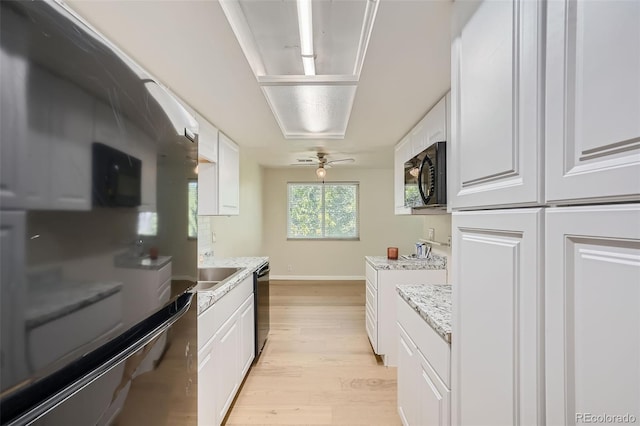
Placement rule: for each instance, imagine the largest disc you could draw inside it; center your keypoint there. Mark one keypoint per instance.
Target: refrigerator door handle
(42, 396)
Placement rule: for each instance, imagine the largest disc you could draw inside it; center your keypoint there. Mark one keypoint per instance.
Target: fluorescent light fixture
(309, 65)
(305, 24)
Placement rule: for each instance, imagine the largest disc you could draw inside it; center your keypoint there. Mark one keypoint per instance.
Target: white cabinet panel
(435, 406)
(408, 379)
(13, 130)
(206, 385)
(496, 133)
(207, 140)
(229, 175)
(592, 312)
(226, 367)
(247, 336)
(402, 154)
(218, 172)
(380, 318)
(497, 306)
(593, 101)
(13, 293)
(431, 129)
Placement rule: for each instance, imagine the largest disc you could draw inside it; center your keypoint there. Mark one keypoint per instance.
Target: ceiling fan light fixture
(321, 172)
(414, 172)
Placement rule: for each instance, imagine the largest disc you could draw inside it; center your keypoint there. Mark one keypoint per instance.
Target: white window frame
(323, 238)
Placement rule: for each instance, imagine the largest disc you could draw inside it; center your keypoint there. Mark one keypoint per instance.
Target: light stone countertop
(125, 260)
(207, 298)
(47, 302)
(434, 261)
(432, 303)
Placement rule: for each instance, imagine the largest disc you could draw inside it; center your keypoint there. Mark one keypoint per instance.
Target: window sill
(323, 239)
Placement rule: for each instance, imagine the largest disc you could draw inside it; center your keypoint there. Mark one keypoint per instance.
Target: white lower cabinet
(225, 351)
(380, 307)
(592, 307)
(497, 300)
(424, 395)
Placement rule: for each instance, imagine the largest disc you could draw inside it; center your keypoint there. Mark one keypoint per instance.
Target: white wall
(379, 226)
(237, 235)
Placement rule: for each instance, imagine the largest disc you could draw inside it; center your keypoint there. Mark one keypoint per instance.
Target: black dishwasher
(261, 307)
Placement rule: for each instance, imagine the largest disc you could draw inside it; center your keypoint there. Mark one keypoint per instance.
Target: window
(148, 224)
(192, 209)
(322, 211)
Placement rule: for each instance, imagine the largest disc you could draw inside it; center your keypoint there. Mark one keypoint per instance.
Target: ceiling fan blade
(342, 160)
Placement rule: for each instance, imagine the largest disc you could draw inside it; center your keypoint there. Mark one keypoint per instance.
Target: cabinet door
(229, 176)
(592, 302)
(207, 141)
(435, 405)
(497, 306)
(419, 140)
(402, 153)
(13, 298)
(371, 319)
(71, 134)
(227, 366)
(207, 189)
(593, 101)
(207, 380)
(247, 336)
(408, 379)
(433, 128)
(13, 129)
(496, 136)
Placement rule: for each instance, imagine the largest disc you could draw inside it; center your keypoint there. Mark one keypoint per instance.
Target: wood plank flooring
(317, 367)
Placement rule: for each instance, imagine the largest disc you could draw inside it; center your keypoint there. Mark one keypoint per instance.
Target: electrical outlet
(289, 268)
(431, 234)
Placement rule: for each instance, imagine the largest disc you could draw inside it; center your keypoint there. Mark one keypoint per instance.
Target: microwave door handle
(425, 162)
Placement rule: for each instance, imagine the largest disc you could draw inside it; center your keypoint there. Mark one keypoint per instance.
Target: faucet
(138, 247)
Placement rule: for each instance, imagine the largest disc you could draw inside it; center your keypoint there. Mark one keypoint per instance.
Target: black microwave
(116, 177)
(425, 178)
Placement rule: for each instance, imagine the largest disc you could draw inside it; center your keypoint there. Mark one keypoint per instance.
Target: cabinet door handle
(227, 205)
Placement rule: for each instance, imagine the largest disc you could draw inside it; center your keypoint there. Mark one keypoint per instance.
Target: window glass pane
(192, 231)
(148, 224)
(340, 211)
(322, 210)
(305, 211)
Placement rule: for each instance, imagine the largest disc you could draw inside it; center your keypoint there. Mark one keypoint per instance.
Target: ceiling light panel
(269, 34)
(311, 111)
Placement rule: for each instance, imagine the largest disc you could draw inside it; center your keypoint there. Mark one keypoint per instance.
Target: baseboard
(318, 277)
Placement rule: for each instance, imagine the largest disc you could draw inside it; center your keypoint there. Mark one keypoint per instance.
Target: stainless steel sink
(216, 274)
(210, 278)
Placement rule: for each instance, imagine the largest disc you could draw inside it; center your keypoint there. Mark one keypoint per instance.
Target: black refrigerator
(98, 214)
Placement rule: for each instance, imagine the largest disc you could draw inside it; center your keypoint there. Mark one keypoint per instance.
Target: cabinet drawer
(429, 343)
(372, 331)
(211, 319)
(164, 274)
(371, 275)
(371, 300)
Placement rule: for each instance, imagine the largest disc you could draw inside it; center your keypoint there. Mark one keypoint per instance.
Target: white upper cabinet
(229, 175)
(218, 172)
(402, 153)
(497, 300)
(592, 317)
(207, 140)
(431, 129)
(593, 101)
(496, 100)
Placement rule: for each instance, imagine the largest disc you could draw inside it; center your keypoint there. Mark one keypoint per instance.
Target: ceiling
(190, 47)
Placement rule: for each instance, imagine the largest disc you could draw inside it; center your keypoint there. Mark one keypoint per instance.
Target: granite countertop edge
(207, 298)
(434, 262)
(433, 303)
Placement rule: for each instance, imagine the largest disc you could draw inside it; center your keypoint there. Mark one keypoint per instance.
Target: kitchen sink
(210, 278)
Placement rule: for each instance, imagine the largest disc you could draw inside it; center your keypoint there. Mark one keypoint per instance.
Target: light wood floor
(317, 367)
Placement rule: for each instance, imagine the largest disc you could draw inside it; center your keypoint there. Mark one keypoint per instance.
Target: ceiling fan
(322, 163)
